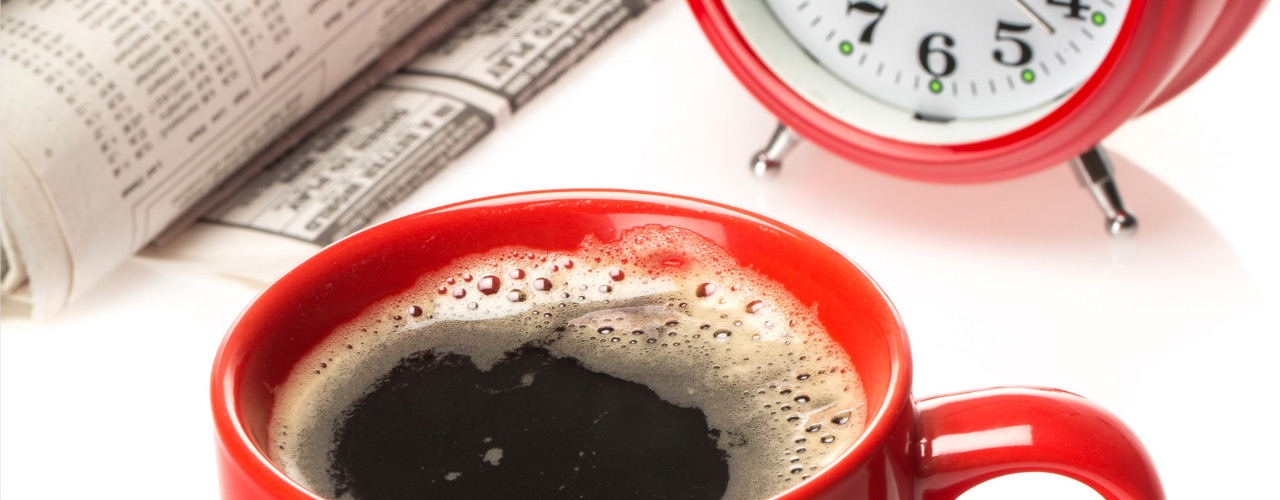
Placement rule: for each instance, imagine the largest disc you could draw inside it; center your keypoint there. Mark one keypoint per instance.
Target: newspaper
(236, 133)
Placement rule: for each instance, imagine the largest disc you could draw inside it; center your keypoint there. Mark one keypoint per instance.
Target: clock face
(942, 60)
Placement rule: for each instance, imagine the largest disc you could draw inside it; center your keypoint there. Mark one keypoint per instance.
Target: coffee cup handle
(968, 438)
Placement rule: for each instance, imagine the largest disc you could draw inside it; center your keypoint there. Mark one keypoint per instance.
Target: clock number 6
(1024, 49)
(927, 54)
(868, 8)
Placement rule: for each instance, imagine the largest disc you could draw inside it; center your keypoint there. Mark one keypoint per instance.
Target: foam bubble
(662, 307)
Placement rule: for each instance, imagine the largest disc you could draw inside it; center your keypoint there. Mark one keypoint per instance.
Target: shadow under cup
(299, 310)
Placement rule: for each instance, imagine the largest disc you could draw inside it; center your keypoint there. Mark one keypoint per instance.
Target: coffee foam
(660, 306)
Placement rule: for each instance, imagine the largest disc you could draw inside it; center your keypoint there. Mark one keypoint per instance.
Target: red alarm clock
(977, 91)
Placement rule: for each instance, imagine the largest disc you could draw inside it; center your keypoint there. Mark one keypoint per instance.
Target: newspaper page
(390, 142)
(516, 51)
(117, 116)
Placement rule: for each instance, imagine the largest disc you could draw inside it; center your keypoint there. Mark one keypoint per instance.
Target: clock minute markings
(948, 54)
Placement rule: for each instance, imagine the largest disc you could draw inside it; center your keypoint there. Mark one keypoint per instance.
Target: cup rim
(234, 440)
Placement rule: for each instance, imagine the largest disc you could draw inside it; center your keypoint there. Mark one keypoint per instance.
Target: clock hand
(1034, 17)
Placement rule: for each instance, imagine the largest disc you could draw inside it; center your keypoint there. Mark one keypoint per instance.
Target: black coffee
(653, 366)
(536, 424)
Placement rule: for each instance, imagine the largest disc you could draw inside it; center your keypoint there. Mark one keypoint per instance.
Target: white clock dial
(942, 60)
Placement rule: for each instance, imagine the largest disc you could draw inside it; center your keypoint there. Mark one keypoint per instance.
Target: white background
(1004, 283)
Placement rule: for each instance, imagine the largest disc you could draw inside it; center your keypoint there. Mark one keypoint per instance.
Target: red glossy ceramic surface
(934, 449)
(1163, 47)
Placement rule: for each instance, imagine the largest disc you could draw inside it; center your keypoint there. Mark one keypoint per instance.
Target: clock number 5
(1075, 6)
(1024, 49)
(928, 53)
(868, 8)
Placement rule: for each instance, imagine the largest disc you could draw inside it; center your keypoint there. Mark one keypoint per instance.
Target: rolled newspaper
(246, 137)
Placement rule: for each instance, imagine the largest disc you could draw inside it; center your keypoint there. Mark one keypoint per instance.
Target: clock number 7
(868, 8)
(1075, 6)
(1024, 49)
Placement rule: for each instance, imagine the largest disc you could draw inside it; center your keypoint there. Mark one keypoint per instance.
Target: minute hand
(1034, 17)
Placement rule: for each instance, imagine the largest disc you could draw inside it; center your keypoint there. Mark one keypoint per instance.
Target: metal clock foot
(1095, 172)
(769, 160)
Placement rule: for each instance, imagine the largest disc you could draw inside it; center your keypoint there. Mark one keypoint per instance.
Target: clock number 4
(869, 8)
(1075, 6)
(1024, 49)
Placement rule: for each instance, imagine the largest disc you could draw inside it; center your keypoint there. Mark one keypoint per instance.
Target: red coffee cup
(934, 448)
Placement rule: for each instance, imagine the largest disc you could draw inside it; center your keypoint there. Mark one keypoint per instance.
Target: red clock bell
(978, 91)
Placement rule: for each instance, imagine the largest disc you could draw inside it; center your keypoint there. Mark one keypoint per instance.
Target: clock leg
(1095, 172)
(769, 160)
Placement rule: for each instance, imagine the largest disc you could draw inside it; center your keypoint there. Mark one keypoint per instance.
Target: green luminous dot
(1099, 18)
(935, 86)
(1028, 76)
(846, 48)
